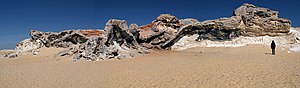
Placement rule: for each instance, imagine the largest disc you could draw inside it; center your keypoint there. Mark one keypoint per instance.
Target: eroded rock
(161, 30)
(118, 40)
(28, 45)
(62, 39)
(117, 30)
(261, 21)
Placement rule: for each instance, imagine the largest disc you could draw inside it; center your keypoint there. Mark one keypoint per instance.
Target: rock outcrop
(291, 41)
(118, 40)
(247, 20)
(261, 21)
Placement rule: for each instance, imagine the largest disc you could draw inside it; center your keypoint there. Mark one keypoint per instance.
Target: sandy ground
(248, 66)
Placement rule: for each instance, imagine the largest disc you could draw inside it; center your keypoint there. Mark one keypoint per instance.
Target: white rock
(287, 41)
(2, 56)
(12, 55)
(35, 52)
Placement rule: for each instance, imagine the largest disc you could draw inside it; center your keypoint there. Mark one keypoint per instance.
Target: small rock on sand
(12, 55)
(2, 56)
(35, 52)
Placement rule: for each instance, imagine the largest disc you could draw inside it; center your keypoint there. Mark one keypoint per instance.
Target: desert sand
(214, 67)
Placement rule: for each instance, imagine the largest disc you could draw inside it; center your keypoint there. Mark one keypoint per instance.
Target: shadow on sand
(268, 53)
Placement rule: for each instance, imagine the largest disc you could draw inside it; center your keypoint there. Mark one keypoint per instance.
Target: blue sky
(17, 17)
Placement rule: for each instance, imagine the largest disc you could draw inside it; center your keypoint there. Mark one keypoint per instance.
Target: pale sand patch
(247, 66)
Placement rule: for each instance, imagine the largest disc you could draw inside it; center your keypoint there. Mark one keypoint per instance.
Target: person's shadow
(268, 53)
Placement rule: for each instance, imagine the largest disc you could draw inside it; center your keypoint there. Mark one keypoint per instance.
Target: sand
(248, 66)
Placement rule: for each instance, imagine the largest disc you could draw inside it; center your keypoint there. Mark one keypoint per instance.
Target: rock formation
(118, 40)
(161, 30)
(247, 20)
(261, 21)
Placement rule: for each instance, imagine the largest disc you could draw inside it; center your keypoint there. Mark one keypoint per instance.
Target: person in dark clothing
(273, 46)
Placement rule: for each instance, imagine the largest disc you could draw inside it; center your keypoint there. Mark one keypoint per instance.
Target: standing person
(273, 46)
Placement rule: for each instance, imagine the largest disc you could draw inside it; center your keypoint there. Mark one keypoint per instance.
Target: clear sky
(17, 17)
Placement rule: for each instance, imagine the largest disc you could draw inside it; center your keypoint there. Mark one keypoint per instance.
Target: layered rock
(247, 20)
(290, 41)
(161, 30)
(118, 40)
(220, 29)
(261, 21)
(62, 39)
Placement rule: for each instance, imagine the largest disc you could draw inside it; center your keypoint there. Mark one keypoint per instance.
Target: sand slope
(248, 66)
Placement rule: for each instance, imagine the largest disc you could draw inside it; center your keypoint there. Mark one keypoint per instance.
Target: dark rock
(117, 30)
